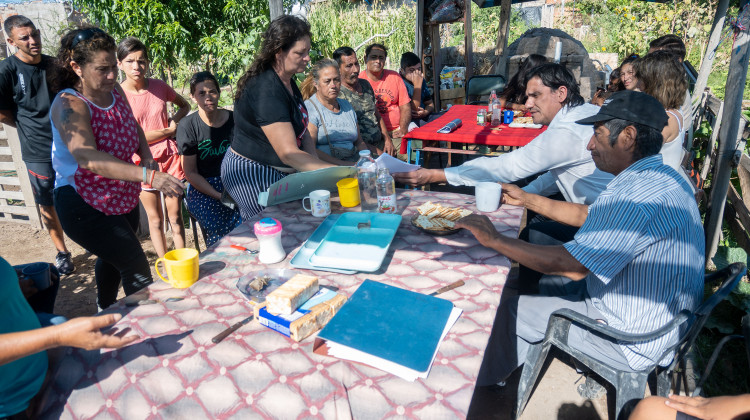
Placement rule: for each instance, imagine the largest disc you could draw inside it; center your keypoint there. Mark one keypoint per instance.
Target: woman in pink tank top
(97, 185)
(148, 98)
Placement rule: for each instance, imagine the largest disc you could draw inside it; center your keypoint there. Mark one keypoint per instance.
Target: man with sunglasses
(25, 97)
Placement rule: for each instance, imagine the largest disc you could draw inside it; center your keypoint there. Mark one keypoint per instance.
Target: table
(175, 371)
(469, 132)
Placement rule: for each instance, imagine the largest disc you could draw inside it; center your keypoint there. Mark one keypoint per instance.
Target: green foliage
(338, 23)
(221, 34)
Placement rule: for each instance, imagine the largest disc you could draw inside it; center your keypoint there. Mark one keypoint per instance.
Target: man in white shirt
(553, 100)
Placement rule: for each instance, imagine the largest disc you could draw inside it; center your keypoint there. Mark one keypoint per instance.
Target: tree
(217, 35)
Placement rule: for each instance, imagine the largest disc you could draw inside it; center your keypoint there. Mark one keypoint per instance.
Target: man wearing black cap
(636, 260)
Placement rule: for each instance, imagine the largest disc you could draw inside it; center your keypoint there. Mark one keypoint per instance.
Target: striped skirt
(244, 179)
(216, 219)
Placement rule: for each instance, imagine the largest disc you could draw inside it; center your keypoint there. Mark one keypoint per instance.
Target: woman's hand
(169, 185)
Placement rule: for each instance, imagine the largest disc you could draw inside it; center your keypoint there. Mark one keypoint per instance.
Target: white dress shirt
(560, 151)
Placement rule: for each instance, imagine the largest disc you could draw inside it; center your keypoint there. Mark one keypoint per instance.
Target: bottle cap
(267, 226)
(364, 153)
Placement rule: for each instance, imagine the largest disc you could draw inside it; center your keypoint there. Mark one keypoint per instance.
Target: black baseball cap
(633, 106)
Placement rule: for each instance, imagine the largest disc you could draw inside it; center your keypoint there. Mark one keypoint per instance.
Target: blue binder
(394, 324)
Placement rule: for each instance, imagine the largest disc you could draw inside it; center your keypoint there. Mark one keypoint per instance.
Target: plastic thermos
(268, 231)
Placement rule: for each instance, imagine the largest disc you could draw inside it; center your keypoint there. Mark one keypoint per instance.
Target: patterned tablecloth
(175, 371)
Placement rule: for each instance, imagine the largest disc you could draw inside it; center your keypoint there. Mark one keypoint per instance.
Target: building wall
(50, 17)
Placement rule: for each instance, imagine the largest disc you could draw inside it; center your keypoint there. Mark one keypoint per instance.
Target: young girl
(203, 138)
(148, 98)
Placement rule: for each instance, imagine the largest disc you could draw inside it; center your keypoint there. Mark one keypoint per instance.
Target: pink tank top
(116, 133)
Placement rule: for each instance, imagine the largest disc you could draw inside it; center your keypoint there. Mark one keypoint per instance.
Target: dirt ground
(21, 244)
(554, 397)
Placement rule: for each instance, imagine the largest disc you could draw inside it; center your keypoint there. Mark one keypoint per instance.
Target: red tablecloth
(470, 132)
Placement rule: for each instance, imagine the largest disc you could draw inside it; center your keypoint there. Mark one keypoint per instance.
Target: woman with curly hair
(270, 134)
(94, 137)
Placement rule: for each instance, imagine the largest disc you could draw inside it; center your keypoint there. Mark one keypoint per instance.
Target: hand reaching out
(85, 333)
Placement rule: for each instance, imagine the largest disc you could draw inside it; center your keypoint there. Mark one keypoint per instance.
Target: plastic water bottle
(367, 173)
(497, 111)
(386, 188)
(493, 96)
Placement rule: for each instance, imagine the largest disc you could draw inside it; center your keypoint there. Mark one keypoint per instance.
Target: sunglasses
(85, 35)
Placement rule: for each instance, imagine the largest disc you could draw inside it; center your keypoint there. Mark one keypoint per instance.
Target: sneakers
(64, 264)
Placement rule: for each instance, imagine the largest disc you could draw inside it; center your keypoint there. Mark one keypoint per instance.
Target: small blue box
(507, 117)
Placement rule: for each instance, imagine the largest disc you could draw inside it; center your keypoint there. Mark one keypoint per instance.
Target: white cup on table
(320, 203)
(488, 196)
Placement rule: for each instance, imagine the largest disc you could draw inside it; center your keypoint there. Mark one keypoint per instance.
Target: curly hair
(307, 88)
(280, 36)
(663, 77)
(79, 45)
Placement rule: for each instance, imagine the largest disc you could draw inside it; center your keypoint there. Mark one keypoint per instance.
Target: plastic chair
(482, 86)
(628, 385)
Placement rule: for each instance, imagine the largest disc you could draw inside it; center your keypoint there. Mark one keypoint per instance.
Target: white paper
(348, 353)
(394, 165)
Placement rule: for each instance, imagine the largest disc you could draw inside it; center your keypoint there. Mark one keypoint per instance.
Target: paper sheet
(348, 353)
(394, 165)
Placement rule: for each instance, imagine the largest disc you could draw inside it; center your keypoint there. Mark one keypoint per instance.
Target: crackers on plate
(436, 217)
(523, 120)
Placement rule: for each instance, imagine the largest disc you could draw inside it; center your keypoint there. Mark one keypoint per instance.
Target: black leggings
(111, 238)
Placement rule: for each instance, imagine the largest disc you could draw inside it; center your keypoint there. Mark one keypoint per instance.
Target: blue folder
(394, 324)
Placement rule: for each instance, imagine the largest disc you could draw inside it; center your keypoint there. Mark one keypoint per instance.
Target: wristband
(151, 180)
(145, 175)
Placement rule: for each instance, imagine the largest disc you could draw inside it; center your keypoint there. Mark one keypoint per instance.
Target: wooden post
(275, 8)
(708, 58)
(468, 43)
(23, 176)
(728, 133)
(503, 32)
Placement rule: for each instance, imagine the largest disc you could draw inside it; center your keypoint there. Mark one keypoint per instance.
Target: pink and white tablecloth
(175, 371)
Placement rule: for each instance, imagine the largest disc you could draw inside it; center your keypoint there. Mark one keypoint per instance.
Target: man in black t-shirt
(25, 98)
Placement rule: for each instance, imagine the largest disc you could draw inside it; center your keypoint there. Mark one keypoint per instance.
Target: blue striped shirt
(643, 244)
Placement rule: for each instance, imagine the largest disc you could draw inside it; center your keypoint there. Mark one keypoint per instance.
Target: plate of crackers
(524, 122)
(436, 219)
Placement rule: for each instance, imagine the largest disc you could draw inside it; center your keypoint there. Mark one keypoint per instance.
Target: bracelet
(145, 175)
(151, 180)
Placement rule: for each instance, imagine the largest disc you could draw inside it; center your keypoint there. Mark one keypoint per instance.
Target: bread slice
(292, 294)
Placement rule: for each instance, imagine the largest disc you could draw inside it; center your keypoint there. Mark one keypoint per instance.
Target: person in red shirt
(393, 99)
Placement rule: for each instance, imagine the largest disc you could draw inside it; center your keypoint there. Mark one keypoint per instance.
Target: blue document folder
(394, 324)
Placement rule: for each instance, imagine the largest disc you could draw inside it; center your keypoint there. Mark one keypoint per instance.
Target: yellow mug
(348, 192)
(182, 267)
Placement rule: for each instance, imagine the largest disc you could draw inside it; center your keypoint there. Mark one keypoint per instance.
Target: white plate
(519, 125)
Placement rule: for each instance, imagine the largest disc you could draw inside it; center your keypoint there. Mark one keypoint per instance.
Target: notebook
(393, 329)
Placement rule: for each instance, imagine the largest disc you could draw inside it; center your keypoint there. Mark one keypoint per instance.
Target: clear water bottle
(493, 96)
(497, 111)
(386, 188)
(367, 173)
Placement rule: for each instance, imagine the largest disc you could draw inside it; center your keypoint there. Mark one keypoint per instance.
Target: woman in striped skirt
(270, 134)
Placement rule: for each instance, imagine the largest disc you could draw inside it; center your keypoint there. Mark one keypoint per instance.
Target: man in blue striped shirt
(636, 261)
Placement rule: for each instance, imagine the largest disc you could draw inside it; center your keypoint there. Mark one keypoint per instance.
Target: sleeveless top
(116, 132)
(672, 151)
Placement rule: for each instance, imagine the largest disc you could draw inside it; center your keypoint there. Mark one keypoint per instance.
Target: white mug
(488, 196)
(320, 203)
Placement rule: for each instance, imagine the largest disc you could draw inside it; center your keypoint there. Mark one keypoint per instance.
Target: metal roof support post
(711, 48)
(729, 131)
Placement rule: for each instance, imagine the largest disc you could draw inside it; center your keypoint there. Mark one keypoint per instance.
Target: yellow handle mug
(182, 267)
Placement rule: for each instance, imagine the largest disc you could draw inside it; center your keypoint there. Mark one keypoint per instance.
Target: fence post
(708, 57)
(729, 131)
(23, 176)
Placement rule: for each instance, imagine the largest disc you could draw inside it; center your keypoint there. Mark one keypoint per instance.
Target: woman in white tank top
(662, 76)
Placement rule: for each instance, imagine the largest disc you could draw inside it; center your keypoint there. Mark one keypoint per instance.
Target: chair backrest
(482, 85)
(729, 276)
